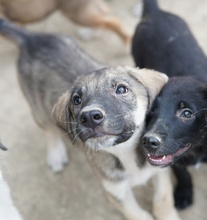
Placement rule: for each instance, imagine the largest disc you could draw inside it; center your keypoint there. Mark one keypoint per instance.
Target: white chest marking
(126, 153)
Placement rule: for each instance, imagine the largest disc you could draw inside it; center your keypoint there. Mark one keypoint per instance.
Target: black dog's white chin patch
(166, 160)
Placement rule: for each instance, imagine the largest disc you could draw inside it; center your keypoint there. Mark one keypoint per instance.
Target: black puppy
(176, 126)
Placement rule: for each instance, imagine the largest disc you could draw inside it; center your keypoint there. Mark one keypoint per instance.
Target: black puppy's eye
(121, 89)
(77, 100)
(186, 114)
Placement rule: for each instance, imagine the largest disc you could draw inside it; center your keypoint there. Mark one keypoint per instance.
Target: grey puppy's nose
(150, 141)
(91, 118)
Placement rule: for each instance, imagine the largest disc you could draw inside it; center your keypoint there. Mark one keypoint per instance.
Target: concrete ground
(75, 193)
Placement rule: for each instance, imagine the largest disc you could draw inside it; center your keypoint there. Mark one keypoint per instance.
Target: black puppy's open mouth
(165, 160)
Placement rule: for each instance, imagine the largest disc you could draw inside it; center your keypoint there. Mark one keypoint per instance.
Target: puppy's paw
(147, 217)
(57, 157)
(138, 215)
(172, 215)
(183, 197)
(164, 209)
(144, 216)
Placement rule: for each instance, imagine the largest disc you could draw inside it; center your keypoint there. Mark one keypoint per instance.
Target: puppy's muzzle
(95, 123)
(91, 119)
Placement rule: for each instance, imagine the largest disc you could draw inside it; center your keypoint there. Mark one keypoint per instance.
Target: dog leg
(112, 23)
(183, 193)
(57, 154)
(163, 203)
(95, 14)
(121, 195)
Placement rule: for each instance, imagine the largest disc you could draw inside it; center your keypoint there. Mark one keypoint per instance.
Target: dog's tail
(13, 32)
(149, 6)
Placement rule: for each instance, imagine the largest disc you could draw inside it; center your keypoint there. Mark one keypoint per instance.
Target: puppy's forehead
(183, 88)
(180, 93)
(108, 77)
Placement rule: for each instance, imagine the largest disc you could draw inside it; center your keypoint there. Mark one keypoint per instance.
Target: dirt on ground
(76, 193)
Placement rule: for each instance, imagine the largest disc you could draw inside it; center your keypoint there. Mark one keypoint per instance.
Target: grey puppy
(106, 109)
(41, 57)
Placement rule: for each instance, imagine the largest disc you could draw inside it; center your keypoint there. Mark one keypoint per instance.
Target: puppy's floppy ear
(61, 113)
(153, 80)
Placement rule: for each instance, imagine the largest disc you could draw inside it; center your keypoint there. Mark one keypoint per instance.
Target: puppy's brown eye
(186, 114)
(121, 89)
(77, 100)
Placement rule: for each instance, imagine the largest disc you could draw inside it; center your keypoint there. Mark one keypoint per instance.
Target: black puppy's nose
(91, 118)
(150, 141)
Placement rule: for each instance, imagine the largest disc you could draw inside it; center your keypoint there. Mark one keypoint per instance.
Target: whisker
(118, 115)
(75, 137)
(68, 122)
(183, 160)
(203, 109)
(124, 113)
(65, 133)
(69, 132)
(128, 132)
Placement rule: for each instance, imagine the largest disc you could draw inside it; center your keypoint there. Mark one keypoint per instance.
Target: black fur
(164, 42)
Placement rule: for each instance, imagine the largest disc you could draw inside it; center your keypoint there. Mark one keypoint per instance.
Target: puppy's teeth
(164, 157)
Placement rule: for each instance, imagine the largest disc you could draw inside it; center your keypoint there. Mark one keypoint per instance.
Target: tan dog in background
(91, 13)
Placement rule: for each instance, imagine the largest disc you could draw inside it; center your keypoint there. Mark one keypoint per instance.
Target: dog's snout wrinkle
(91, 118)
(151, 141)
